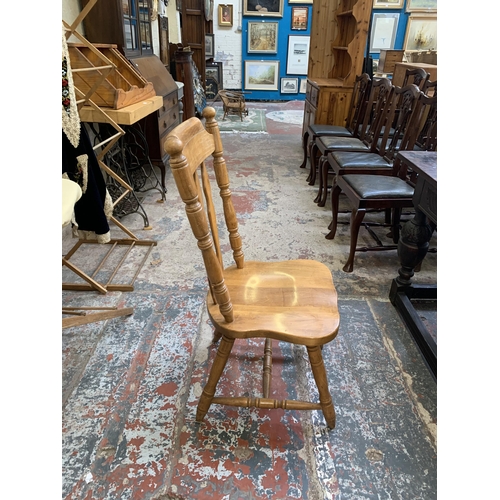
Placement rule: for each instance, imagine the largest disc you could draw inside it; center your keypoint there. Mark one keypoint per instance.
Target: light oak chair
(293, 301)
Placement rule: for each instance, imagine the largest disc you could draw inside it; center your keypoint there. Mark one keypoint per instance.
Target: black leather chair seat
(348, 159)
(378, 186)
(336, 130)
(344, 143)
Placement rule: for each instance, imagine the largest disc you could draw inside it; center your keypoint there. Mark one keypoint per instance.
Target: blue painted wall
(284, 30)
(401, 30)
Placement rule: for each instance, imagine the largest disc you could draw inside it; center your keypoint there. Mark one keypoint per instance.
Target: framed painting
(289, 85)
(300, 16)
(421, 33)
(209, 45)
(225, 15)
(261, 75)
(388, 4)
(298, 55)
(272, 8)
(383, 33)
(211, 88)
(303, 86)
(421, 5)
(214, 70)
(262, 37)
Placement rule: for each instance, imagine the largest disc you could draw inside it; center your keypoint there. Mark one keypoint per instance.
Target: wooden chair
(399, 113)
(381, 192)
(354, 120)
(233, 102)
(380, 93)
(293, 301)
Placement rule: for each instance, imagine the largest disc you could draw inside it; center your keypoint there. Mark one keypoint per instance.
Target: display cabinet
(339, 31)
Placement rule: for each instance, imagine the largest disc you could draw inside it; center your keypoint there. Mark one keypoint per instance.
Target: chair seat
(294, 301)
(336, 130)
(348, 159)
(378, 186)
(344, 143)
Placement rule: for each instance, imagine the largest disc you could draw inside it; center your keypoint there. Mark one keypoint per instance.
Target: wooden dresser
(157, 125)
(339, 31)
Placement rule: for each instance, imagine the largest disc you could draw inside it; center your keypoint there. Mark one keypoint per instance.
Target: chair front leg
(312, 162)
(335, 212)
(215, 373)
(357, 217)
(305, 147)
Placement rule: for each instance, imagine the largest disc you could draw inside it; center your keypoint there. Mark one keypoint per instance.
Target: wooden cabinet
(339, 31)
(157, 125)
(125, 23)
(400, 71)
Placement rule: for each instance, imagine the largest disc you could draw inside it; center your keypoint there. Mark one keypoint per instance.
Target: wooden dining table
(413, 246)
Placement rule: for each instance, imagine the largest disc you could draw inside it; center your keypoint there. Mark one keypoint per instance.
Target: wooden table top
(423, 162)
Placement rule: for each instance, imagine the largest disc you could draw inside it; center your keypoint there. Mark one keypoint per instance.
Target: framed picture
(262, 37)
(421, 33)
(289, 85)
(383, 33)
(421, 5)
(209, 45)
(211, 88)
(298, 55)
(261, 75)
(303, 85)
(225, 15)
(388, 4)
(214, 70)
(301, 1)
(272, 8)
(300, 16)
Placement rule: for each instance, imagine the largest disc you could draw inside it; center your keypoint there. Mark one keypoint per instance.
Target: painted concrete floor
(130, 385)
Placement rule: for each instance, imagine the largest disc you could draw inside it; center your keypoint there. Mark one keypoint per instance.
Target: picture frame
(215, 70)
(261, 75)
(262, 37)
(211, 88)
(298, 54)
(209, 45)
(303, 86)
(289, 85)
(269, 8)
(300, 18)
(421, 33)
(388, 4)
(421, 6)
(225, 15)
(383, 32)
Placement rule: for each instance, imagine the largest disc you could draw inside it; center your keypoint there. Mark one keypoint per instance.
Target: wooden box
(388, 60)
(122, 87)
(400, 71)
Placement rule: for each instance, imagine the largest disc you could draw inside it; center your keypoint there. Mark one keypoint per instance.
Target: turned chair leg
(215, 373)
(335, 212)
(319, 373)
(357, 217)
(305, 147)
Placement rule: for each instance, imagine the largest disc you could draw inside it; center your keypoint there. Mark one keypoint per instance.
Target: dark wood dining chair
(292, 301)
(399, 114)
(354, 119)
(367, 192)
(380, 94)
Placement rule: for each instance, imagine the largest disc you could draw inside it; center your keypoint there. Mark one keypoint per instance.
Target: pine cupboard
(339, 31)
